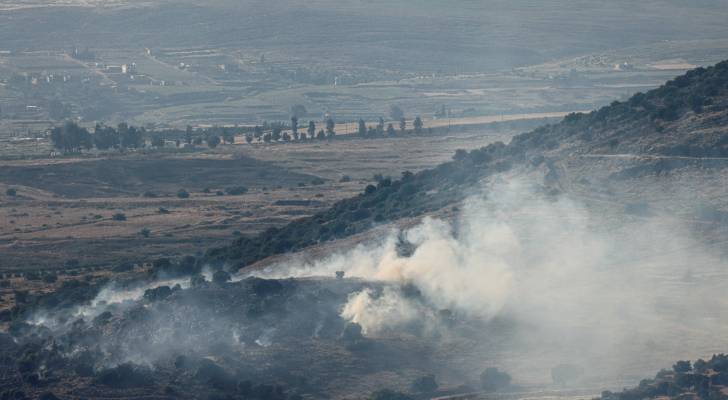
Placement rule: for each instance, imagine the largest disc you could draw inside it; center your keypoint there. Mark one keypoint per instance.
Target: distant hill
(703, 379)
(677, 125)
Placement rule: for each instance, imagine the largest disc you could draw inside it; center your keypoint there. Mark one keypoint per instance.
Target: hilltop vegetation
(705, 380)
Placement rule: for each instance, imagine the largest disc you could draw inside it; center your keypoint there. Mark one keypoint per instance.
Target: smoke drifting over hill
(580, 286)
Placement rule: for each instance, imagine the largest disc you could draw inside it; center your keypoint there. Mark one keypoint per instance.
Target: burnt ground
(241, 339)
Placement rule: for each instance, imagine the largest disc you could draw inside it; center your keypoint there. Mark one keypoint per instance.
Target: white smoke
(586, 284)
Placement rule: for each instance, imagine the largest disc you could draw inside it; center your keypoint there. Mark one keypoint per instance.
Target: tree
(460, 155)
(286, 137)
(188, 134)
(352, 332)
(390, 130)
(105, 137)
(213, 141)
(417, 125)
(267, 137)
(682, 367)
(158, 141)
(403, 125)
(493, 380)
(294, 127)
(71, 138)
(228, 136)
(311, 129)
(257, 132)
(183, 194)
(396, 113)
(249, 138)
(321, 135)
(380, 127)
(362, 128)
(11, 192)
(130, 137)
(330, 125)
(298, 111)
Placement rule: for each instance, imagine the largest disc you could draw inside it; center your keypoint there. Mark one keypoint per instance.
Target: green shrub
(236, 190)
(183, 194)
(50, 278)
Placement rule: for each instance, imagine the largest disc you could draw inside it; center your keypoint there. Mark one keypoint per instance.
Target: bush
(352, 332)
(345, 178)
(11, 192)
(425, 384)
(158, 293)
(197, 281)
(125, 376)
(493, 380)
(220, 277)
(119, 217)
(236, 190)
(183, 194)
(145, 232)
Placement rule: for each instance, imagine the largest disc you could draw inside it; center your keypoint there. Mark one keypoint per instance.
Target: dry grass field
(64, 208)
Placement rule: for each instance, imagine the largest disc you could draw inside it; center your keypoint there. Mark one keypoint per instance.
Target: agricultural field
(150, 63)
(64, 208)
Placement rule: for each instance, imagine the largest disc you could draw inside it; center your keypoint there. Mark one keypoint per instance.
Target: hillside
(561, 295)
(699, 380)
(677, 126)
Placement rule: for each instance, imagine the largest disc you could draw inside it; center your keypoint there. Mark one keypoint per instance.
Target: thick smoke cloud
(519, 278)
(582, 285)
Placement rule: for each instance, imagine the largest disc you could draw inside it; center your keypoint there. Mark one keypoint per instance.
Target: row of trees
(277, 132)
(72, 138)
(378, 130)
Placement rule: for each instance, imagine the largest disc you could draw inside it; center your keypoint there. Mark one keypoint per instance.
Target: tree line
(73, 138)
